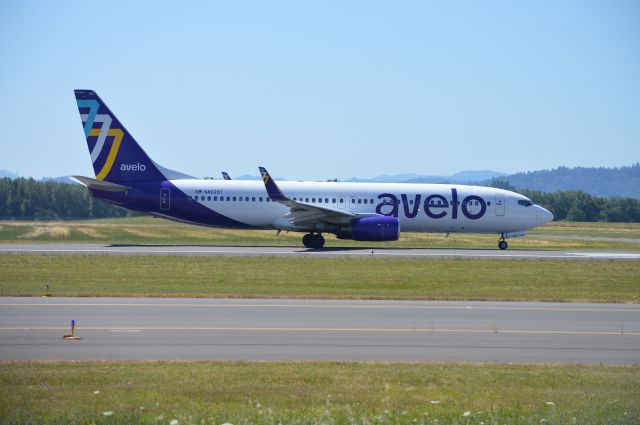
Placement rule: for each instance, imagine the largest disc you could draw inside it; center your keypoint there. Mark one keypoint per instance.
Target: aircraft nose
(545, 215)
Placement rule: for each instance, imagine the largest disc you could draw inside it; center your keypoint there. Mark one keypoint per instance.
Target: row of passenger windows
(230, 198)
(322, 200)
(267, 199)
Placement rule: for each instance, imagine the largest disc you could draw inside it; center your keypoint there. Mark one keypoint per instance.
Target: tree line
(578, 205)
(29, 199)
(623, 182)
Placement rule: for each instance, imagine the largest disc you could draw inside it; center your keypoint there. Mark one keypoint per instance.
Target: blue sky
(316, 90)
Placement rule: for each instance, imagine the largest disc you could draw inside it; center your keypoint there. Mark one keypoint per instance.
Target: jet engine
(376, 229)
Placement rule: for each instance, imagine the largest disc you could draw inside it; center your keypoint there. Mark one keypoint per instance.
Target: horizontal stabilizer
(101, 184)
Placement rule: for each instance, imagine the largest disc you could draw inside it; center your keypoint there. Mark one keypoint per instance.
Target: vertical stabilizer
(115, 154)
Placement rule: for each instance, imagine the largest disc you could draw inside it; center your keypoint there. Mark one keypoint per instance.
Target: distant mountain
(61, 179)
(5, 173)
(621, 182)
(468, 176)
(250, 177)
(475, 176)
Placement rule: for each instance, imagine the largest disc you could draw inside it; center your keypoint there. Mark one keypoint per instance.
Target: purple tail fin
(115, 154)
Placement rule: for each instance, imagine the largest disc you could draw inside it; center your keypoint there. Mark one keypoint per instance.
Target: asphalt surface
(248, 329)
(196, 250)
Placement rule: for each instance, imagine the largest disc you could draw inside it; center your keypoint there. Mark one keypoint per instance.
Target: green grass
(329, 277)
(145, 230)
(312, 392)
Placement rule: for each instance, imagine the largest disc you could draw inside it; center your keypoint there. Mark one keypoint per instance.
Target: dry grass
(144, 230)
(327, 277)
(312, 392)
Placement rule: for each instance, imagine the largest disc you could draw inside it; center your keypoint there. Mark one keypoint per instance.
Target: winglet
(226, 176)
(273, 190)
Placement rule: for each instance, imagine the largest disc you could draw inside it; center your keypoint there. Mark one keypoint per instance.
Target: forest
(29, 199)
(623, 182)
(578, 205)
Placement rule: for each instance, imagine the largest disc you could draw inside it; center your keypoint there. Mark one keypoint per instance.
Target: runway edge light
(72, 335)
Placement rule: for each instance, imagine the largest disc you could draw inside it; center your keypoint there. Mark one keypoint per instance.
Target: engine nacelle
(375, 229)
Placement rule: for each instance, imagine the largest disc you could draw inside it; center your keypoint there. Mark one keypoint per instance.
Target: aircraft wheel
(503, 245)
(307, 240)
(318, 241)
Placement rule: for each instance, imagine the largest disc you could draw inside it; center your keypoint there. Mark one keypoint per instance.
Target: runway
(380, 252)
(248, 329)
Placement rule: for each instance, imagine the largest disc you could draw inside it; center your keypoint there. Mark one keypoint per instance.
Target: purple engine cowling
(374, 229)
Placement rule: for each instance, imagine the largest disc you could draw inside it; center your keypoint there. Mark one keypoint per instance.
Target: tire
(307, 240)
(318, 241)
(503, 245)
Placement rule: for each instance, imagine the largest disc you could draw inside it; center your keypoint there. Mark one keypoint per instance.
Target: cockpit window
(525, 202)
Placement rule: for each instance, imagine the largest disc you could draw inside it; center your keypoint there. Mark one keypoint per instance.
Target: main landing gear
(502, 244)
(313, 240)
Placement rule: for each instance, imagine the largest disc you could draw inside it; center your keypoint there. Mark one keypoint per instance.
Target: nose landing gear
(502, 244)
(313, 240)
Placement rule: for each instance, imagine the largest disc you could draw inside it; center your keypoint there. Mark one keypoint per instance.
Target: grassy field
(294, 277)
(307, 393)
(144, 230)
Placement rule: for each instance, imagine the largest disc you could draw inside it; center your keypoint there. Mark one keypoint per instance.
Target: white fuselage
(419, 207)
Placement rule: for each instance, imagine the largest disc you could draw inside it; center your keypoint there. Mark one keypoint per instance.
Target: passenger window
(326, 200)
(333, 200)
(260, 199)
(319, 200)
(268, 199)
(253, 199)
(306, 199)
(208, 198)
(359, 201)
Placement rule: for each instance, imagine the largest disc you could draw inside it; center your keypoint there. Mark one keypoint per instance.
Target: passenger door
(500, 207)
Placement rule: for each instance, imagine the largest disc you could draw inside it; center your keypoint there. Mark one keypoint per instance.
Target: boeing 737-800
(126, 176)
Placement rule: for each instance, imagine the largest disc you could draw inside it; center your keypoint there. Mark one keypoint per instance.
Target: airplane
(376, 212)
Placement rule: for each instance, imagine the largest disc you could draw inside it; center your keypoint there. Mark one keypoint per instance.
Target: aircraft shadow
(303, 249)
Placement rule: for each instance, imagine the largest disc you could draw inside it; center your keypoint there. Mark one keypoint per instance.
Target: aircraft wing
(304, 215)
